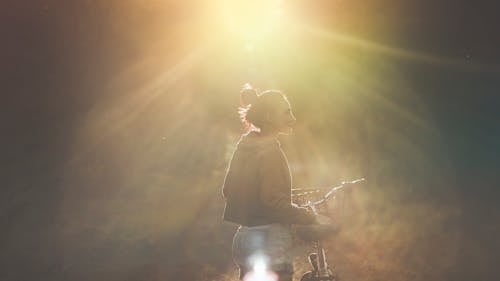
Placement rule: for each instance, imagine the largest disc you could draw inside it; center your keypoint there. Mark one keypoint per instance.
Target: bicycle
(317, 259)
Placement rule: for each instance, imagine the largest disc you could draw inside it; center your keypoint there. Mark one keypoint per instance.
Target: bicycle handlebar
(312, 204)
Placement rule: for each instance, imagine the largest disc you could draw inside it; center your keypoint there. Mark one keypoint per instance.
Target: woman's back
(255, 161)
(257, 187)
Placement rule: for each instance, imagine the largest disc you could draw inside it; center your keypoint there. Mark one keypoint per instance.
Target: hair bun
(248, 95)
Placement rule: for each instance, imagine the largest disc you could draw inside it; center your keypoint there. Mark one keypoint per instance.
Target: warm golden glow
(252, 20)
(150, 155)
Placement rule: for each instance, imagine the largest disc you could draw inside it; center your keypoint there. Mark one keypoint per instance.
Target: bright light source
(252, 20)
(260, 266)
(260, 271)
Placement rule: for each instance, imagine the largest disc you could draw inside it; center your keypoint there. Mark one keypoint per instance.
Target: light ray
(388, 50)
(120, 112)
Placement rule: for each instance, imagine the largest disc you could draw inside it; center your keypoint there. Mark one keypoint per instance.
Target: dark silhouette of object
(257, 186)
(320, 268)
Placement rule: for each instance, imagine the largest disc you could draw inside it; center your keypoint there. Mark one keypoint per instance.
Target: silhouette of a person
(257, 186)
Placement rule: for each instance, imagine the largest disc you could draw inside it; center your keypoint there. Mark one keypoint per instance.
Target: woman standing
(257, 186)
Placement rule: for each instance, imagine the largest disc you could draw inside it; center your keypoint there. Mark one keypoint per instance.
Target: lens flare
(260, 270)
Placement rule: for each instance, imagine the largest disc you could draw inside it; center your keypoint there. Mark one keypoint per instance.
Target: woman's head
(268, 112)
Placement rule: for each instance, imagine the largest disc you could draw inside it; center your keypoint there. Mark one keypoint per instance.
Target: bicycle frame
(320, 269)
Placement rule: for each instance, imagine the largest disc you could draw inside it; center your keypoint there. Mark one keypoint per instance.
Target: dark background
(115, 133)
